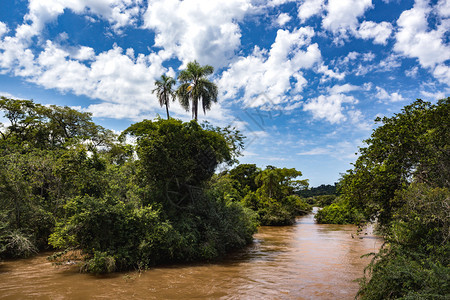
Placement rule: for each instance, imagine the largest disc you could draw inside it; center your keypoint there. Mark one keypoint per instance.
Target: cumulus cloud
(112, 76)
(272, 73)
(283, 18)
(442, 73)
(329, 74)
(443, 8)
(119, 13)
(194, 29)
(432, 96)
(3, 29)
(342, 15)
(379, 32)
(382, 94)
(415, 39)
(329, 107)
(339, 89)
(310, 8)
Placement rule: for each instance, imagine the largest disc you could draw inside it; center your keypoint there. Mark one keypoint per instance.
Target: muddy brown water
(304, 261)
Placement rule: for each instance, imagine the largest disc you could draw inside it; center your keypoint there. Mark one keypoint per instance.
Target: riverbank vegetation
(69, 184)
(271, 192)
(401, 181)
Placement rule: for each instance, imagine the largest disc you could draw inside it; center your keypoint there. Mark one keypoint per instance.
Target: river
(303, 261)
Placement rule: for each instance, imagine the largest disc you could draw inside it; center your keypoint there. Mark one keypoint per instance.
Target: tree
(177, 157)
(244, 175)
(411, 146)
(33, 125)
(164, 91)
(196, 87)
(278, 183)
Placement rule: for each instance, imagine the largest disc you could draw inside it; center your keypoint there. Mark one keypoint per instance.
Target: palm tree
(164, 91)
(195, 87)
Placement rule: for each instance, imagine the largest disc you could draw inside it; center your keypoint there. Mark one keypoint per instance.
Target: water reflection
(304, 261)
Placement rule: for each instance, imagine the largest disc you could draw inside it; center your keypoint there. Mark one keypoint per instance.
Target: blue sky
(303, 80)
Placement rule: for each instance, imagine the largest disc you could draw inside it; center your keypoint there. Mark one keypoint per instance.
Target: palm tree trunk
(195, 109)
(167, 110)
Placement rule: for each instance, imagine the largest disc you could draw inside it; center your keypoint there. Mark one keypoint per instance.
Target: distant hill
(324, 189)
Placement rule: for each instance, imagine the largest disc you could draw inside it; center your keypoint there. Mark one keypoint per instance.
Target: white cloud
(412, 72)
(329, 74)
(269, 73)
(433, 96)
(8, 95)
(442, 73)
(382, 94)
(379, 32)
(369, 56)
(3, 29)
(195, 29)
(283, 18)
(119, 13)
(111, 76)
(84, 53)
(120, 79)
(415, 39)
(341, 150)
(357, 119)
(272, 3)
(329, 107)
(316, 151)
(310, 8)
(339, 89)
(443, 8)
(352, 56)
(342, 15)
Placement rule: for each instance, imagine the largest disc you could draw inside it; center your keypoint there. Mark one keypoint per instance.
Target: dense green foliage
(72, 185)
(401, 180)
(339, 212)
(323, 189)
(48, 155)
(410, 146)
(414, 264)
(270, 192)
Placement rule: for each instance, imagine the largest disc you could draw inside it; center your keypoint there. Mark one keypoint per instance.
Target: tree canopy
(195, 87)
(411, 146)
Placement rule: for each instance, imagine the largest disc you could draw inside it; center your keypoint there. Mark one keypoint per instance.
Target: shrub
(107, 228)
(338, 213)
(414, 264)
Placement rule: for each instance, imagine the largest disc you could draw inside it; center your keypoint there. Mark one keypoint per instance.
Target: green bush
(298, 205)
(414, 264)
(132, 236)
(338, 213)
(275, 213)
(324, 200)
(405, 275)
(117, 236)
(101, 263)
(213, 226)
